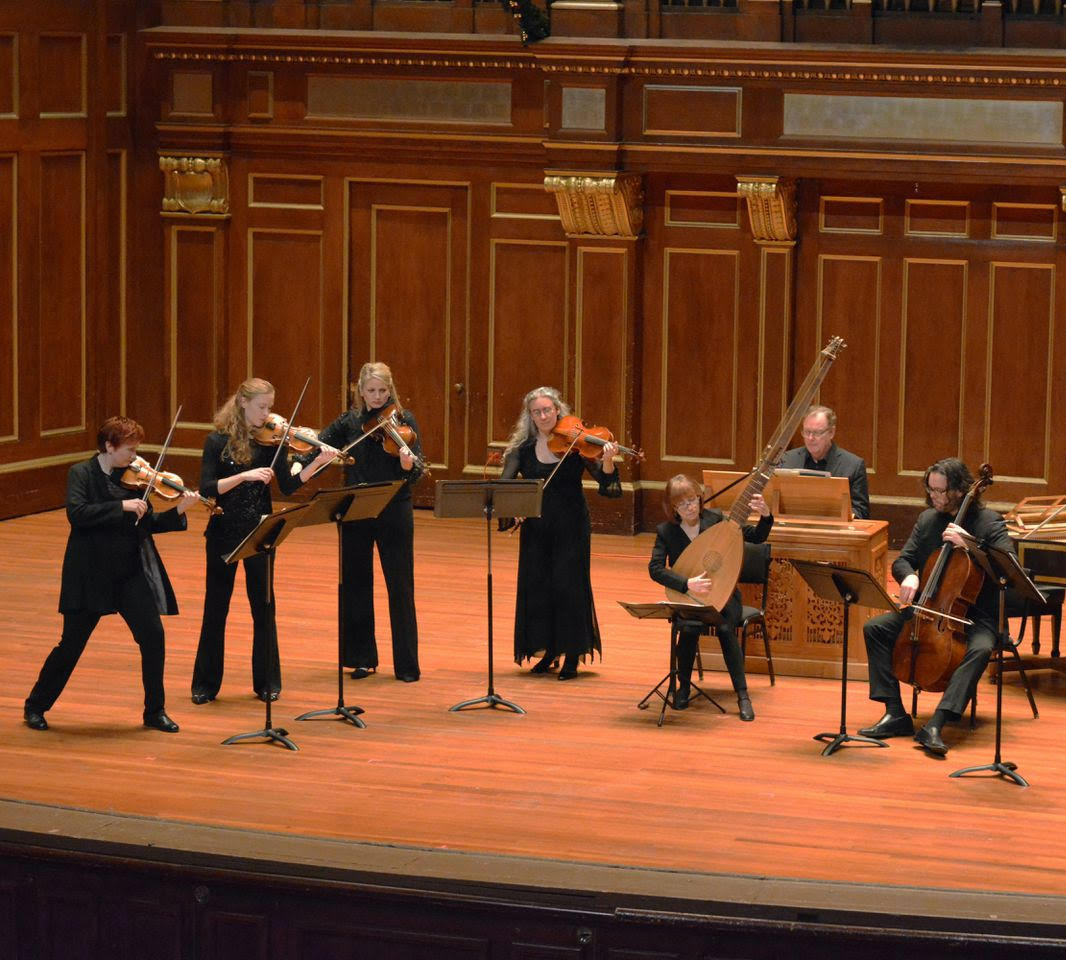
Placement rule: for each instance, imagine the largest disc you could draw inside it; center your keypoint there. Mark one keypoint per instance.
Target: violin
(300, 439)
(396, 437)
(933, 642)
(166, 488)
(571, 433)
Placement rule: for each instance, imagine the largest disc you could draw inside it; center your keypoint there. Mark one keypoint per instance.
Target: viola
(167, 488)
(933, 642)
(300, 439)
(572, 434)
(396, 437)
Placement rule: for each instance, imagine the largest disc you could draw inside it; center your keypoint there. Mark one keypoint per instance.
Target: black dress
(242, 507)
(110, 566)
(393, 531)
(554, 609)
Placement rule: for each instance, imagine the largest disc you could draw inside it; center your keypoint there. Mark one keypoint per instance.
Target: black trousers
(393, 531)
(211, 651)
(137, 607)
(880, 634)
(688, 642)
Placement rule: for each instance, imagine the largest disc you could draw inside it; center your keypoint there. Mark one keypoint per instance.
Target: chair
(754, 568)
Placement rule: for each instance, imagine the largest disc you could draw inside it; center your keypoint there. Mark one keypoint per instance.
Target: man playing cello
(946, 484)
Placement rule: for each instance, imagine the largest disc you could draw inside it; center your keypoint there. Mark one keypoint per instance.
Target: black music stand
(475, 498)
(848, 586)
(264, 541)
(681, 616)
(341, 506)
(1003, 568)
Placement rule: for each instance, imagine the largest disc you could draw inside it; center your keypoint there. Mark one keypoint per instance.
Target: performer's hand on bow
(907, 589)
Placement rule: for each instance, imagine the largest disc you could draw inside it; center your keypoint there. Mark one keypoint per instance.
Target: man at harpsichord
(820, 452)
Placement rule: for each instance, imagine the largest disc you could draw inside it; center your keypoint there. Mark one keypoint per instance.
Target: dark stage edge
(620, 892)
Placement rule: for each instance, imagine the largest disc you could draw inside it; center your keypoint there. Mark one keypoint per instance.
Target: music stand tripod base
(350, 714)
(490, 700)
(837, 740)
(270, 734)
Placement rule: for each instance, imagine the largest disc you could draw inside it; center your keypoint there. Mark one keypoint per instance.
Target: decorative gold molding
(318, 59)
(610, 206)
(771, 208)
(1062, 197)
(195, 185)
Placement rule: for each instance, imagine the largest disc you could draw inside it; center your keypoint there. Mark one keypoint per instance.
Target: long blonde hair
(525, 429)
(375, 370)
(230, 419)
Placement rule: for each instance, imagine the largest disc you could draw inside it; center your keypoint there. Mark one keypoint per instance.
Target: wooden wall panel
(117, 272)
(285, 318)
(62, 346)
(8, 74)
(934, 335)
(63, 74)
(9, 343)
(1019, 417)
(775, 339)
(700, 344)
(114, 73)
(194, 322)
(849, 305)
(529, 325)
(602, 321)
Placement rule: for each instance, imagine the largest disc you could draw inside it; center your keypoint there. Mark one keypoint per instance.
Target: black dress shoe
(199, 697)
(568, 673)
(889, 726)
(407, 677)
(744, 704)
(929, 737)
(361, 673)
(274, 694)
(681, 696)
(160, 721)
(543, 665)
(35, 720)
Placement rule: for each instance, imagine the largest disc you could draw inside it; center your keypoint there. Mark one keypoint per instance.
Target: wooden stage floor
(584, 778)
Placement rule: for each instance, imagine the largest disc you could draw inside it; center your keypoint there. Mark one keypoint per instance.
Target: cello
(932, 642)
(718, 551)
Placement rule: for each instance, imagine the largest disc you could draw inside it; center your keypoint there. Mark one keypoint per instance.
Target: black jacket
(102, 538)
(839, 463)
(671, 540)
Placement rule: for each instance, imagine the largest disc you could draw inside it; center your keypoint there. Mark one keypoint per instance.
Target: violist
(111, 565)
(236, 471)
(946, 484)
(392, 530)
(554, 612)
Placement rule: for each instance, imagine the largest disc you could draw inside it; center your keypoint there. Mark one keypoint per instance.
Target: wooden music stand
(264, 541)
(801, 494)
(340, 506)
(680, 615)
(476, 498)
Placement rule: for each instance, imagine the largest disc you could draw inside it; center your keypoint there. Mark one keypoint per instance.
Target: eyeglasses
(815, 434)
(542, 411)
(933, 492)
(688, 502)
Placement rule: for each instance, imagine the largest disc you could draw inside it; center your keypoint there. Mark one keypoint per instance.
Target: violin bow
(518, 522)
(289, 423)
(159, 460)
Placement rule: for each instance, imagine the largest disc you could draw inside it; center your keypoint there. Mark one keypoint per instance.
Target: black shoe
(744, 703)
(681, 696)
(274, 694)
(889, 726)
(160, 721)
(407, 677)
(568, 673)
(361, 673)
(199, 696)
(543, 665)
(34, 720)
(929, 737)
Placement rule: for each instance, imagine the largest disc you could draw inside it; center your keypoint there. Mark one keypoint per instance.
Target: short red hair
(678, 488)
(118, 431)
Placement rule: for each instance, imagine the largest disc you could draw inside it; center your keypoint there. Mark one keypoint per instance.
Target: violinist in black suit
(683, 506)
(819, 452)
(111, 565)
(946, 484)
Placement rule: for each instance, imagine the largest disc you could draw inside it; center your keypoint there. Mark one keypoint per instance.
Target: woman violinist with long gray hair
(236, 470)
(555, 615)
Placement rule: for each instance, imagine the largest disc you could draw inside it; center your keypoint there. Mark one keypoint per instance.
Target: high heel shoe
(544, 664)
(744, 703)
(569, 670)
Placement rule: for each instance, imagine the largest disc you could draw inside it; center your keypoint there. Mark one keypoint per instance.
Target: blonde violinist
(554, 611)
(375, 416)
(236, 470)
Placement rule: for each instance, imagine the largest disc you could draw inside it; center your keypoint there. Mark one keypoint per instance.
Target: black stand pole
(340, 711)
(676, 625)
(998, 765)
(837, 740)
(271, 733)
(491, 698)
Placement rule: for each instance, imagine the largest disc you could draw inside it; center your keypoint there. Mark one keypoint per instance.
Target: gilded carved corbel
(604, 206)
(195, 185)
(771, 208)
